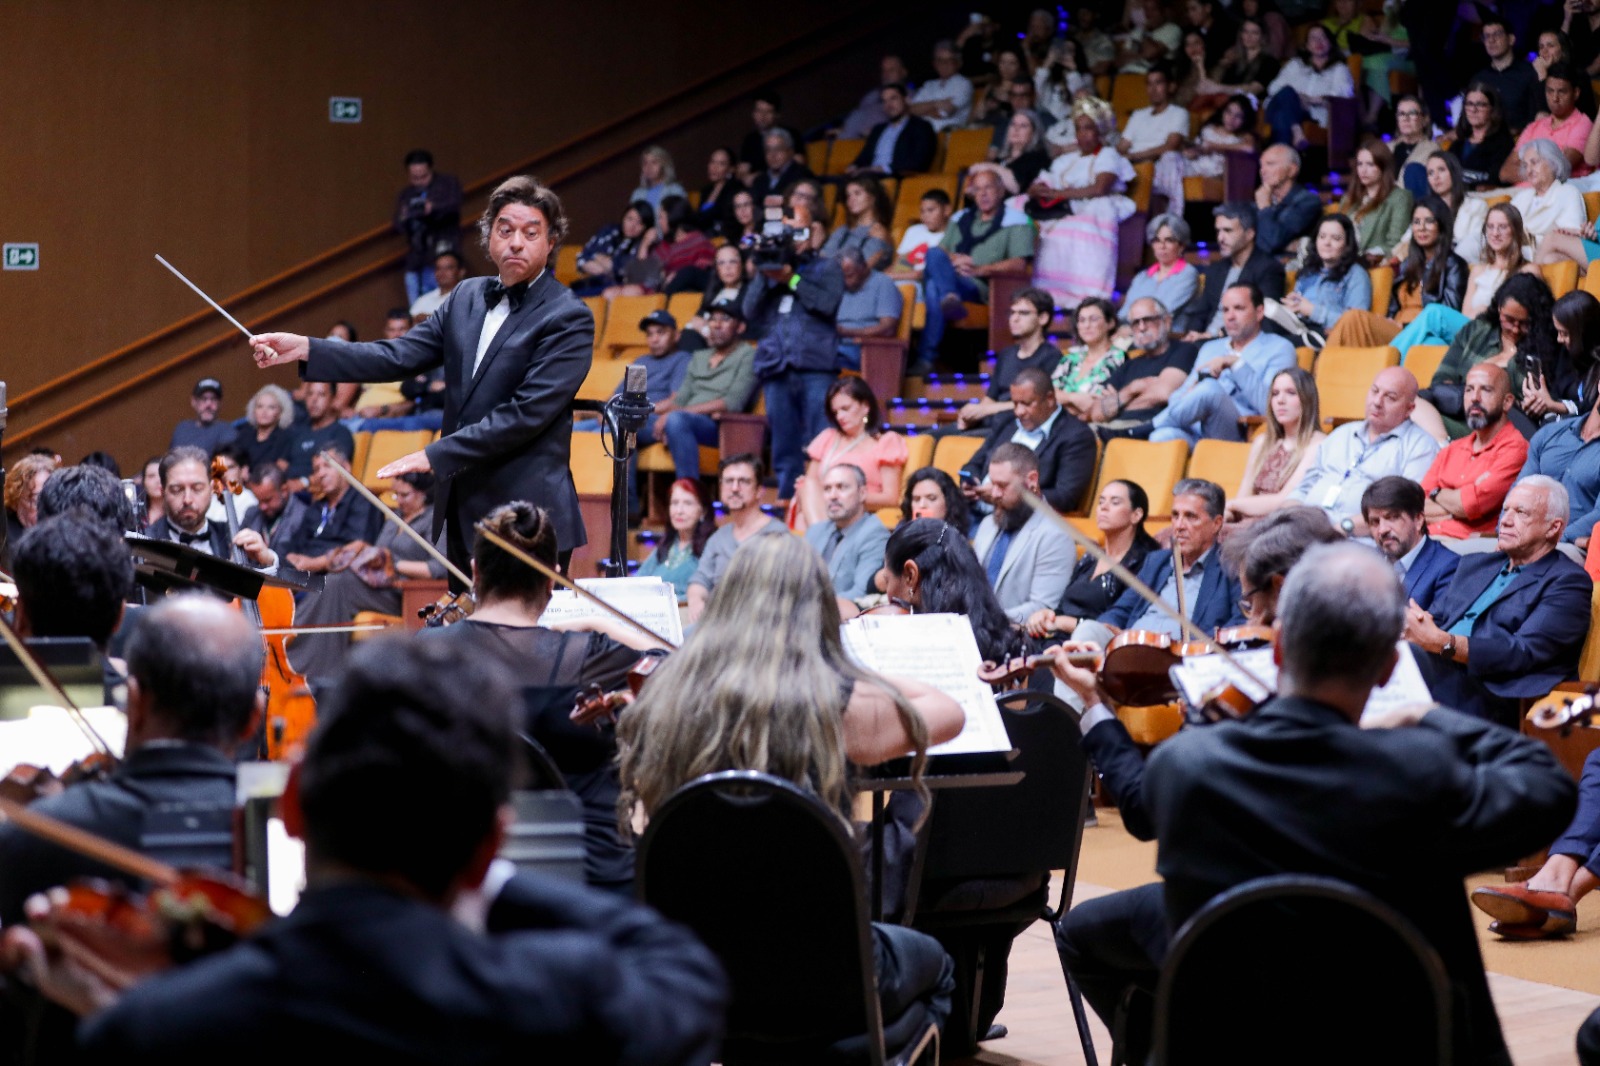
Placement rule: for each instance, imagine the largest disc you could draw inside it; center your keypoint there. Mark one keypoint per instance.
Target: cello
(291, 710)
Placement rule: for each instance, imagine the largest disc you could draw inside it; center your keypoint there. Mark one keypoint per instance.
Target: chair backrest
(389, 445)
(919, 452)
(1306, 357)
(1128, 94)
(1221, 461)
(965, 147)
(591, 466)
(1032, 826)
(622, 320)
(952, 453)
(908, 202)
(843, 155)
(1591, 281)
(1562, 277)
(598, 307)
(1382, 285)
(567, 264)
(1267, 963)
(1344, 376)
(1139, 188)
(908, 304)
(602, 379)
(683, 306)
(770, 880)
(1589, 657)
(1155, 466)
(358, 461)
(817, 156)
(1591, 205)
(1423, 360)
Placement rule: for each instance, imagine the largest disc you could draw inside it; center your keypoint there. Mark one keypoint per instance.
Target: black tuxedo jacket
(221, 547)
(507, 432)
(1404, 813)
(566, 975)
(1066, 458)
(913, 149)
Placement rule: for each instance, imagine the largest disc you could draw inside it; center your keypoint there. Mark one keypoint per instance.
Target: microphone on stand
(633, 408)
(627, 415)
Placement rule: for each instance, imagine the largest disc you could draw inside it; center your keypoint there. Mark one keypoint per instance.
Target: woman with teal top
(1516, 332)
(1380, 209)
(1091, 361)
(690, 525)
(1332, 281)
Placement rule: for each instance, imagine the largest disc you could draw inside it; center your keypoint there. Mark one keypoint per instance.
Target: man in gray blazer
(514, 349)
(851, 540)
(1027, 561)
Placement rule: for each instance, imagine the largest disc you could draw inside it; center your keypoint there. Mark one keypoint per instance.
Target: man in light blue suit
(851, 541)
(1393, 509)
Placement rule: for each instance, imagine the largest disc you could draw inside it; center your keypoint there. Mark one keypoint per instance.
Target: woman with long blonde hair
(1283, 451)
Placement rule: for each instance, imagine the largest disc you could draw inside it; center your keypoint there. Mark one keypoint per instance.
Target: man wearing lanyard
(1359, 453)
(1513, 622)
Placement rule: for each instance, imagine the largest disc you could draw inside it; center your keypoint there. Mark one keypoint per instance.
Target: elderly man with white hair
(1512, 623)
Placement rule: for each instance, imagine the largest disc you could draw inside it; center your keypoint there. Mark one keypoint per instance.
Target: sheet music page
(938, 650)
(1197, 674)
(49, 737)
(649, 599)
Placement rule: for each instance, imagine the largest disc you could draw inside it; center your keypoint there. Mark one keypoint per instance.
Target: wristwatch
(1434, 495)
(1349, 526)
(1449, 649)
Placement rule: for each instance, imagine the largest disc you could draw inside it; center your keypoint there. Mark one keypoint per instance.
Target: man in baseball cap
(204, 431)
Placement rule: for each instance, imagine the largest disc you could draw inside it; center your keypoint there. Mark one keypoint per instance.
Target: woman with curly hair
(1081, 201)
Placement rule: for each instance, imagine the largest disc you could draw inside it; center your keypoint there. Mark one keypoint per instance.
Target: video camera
(779, 242)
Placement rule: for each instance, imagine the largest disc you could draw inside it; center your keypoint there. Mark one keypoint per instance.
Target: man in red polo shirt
(1468, 480)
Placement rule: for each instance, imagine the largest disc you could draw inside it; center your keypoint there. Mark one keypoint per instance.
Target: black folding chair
(771, 880)
(983, 873)
(1304, 969)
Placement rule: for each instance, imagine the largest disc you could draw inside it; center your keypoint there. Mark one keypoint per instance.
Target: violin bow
(52, 689)
(517, 553)
(1131, 579)
(1177, 572)
(391, 516)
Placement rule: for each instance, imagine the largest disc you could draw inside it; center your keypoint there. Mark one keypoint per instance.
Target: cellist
(186, 492)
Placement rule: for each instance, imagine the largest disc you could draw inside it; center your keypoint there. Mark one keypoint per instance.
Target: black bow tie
(494, 291)
(191, 538)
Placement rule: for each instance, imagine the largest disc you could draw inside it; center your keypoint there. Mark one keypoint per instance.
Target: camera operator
(427, 212)
(791, 307)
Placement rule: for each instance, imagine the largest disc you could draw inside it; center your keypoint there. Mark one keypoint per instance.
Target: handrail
(18, 436)
(481, 185)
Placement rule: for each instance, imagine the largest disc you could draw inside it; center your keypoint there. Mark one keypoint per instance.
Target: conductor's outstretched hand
(274, 349)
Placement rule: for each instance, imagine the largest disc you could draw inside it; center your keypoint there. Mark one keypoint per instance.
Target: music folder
(164, 565)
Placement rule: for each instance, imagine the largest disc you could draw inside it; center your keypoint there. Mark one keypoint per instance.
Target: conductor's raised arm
(275, 349)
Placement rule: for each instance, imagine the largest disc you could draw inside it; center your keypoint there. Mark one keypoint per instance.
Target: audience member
(1247, 67)
(1303, 87)
(1378, 205)
(1509, 74)
(204, 431)
(23, 482)
(382, 399)
(739, 477)
(604, 260)
(658, 178)
(1021, 146)
(1085, 366)
(870, 307)
(933, 215)
(1482, 142)
(1285, 209)
(1549, 203)
(1431, 274)
(1027, 560)
(945, 100)
(1139, 389)
(780, 168)
(1358, 453)
(1562, 450)
(746, 217)
(1512, 623)
(932, 493)
(850, 538)
(362, 577)
(867, 214)
(1171, 279)
(1093, 587)
(322, 430)
(1281, 455)
(719, 379)
(1150, 40)
(987, 238)
(1469, 479)
(715, 206)
(1231, 375)
(1157, 129)
(690, 523)
(1031, 314)
(765, 111)
(338, 518)
(869, 112)
(903, 143)
(1208, 19)
(447, 274)
(1394, 510)
(1563, 125)
(1239, 262)
(1063, 77)
(1568, 386)
(854, 437)
(278, 512)
(427, 213)
(267, 435)
(1413, 144)
(149, 500)
(1065, 446)
(1083, 196)
(1229, 130)
(1332, 281)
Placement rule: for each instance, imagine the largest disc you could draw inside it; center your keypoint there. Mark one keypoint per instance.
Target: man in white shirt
(933, 215)
(945, 101)
(448, 272)
(1155, 130)
(1359, 453)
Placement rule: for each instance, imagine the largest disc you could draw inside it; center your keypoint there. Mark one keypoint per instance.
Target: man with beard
(186, 494)
(1468, 481)
(1393, 510)
(1027, 561)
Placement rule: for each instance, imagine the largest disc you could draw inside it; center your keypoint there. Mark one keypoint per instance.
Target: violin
(1581, 711)
(597, 706)
(891, 607)
(291, 710)
(448, 609)
(1014, 671)
(27, 782)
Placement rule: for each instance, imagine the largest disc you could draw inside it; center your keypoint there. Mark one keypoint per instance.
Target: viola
(291, 710)
(1138, 664)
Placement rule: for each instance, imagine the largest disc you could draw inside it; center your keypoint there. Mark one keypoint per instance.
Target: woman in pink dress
(855, 436)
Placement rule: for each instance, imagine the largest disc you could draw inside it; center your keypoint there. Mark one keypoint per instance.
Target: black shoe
(1141, 431)
(919, 369)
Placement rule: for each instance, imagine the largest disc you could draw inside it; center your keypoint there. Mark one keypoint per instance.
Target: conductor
(514, 350)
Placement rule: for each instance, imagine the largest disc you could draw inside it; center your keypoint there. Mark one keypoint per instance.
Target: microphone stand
(5, 530)
(625, 415)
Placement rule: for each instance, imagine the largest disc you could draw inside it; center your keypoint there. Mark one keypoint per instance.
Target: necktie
(834, 540)
(997, 555)
(494, 291)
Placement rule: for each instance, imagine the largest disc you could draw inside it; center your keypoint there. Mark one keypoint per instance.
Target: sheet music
(1198, 674)
(48, 737)
(649, 599)
(939, 650)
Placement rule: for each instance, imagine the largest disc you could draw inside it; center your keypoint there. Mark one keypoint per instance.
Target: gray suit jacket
(1036, 569)
(507, 432)
(858, 557)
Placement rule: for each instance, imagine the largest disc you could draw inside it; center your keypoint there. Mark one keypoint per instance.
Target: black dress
(1087, 596)
(545, 659)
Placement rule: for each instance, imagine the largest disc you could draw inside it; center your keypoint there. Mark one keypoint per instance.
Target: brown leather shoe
(1519, 905)
(1525, 932)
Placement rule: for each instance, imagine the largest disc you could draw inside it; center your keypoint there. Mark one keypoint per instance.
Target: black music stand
(163, 565)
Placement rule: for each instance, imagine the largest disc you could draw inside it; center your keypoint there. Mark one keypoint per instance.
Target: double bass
(291, 710)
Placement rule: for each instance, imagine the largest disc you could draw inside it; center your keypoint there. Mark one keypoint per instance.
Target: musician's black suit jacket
(507, 432)
(1404, 813)
(566, 974)
(217, 533)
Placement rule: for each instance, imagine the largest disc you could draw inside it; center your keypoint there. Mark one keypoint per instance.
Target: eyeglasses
(738, 481)
(1247, 601)
(1477, 105)
(1146, 321)
(1507, 322)
(1408, 114)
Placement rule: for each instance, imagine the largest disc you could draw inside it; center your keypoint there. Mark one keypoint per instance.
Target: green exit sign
(21, 256)
(344, 109)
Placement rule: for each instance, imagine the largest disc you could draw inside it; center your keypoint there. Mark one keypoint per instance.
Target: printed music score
(939, 650)
(1198, 674)
(649, 599)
